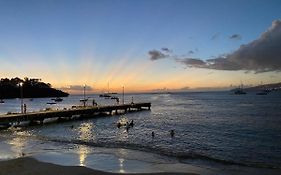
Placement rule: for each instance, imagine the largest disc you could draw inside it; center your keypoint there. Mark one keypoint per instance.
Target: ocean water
(213, 128)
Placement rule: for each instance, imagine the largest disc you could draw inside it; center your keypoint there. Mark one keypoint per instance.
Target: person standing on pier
(94, 103)
(24, 108)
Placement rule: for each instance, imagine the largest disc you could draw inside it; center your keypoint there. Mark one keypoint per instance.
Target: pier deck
(89, 111)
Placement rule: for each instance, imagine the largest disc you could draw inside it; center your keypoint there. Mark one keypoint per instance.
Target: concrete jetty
(74, 112)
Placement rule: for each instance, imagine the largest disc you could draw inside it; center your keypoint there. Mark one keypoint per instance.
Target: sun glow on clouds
(135, 73)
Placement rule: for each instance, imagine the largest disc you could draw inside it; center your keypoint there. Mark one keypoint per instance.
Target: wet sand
(30, 166)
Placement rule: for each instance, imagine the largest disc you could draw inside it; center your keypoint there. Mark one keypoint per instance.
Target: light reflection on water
(86, 134)
(83, 153)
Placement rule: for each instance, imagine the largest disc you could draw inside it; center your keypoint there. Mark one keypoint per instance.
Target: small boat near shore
(2, 101)
(105, 95)
(58, 99)
(84, 100)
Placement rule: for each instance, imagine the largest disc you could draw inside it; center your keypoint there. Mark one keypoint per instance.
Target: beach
(27, 165)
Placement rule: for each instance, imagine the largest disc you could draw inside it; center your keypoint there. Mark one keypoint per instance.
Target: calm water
(213, 127)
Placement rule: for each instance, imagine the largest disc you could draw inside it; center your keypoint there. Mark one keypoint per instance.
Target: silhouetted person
(117, 101)
(152, 134)
(132, 101)
(172, 133)
(94, 103)
(71, 126)
(24, 108)
(127, 128)
(132, 123)
(118, 125)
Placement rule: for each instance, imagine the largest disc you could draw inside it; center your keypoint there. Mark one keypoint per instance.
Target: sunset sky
(143, 45)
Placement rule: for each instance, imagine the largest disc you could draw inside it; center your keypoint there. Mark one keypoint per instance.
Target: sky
(142, 45)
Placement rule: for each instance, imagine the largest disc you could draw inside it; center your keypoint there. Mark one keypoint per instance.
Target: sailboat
(57, 99)
(106, 95)
(239, 90)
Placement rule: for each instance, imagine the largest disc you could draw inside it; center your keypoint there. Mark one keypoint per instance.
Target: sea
(215, 133)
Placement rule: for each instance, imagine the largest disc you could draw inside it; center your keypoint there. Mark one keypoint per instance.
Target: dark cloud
(156, 55)
(260, 55)
(235, 37)
(215, 36)
(190, 52)
(192, 62)
(165, 49)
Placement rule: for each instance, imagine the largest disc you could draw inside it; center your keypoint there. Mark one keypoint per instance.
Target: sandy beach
(29, 166)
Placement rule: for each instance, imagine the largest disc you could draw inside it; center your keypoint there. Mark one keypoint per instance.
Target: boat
(114, 97)
(83, 100)
(58, 99)
(51, 103)
(2, 101)
(261, 93)
(106, 95)
(239, 91)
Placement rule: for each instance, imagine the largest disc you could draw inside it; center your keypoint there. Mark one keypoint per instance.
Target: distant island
(269, 87)
(272, 87)
(31, 88)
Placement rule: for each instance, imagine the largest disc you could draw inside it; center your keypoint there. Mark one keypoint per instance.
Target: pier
(68, 114)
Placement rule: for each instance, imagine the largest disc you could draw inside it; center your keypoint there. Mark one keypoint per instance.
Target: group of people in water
(131, 124)
(127, 125)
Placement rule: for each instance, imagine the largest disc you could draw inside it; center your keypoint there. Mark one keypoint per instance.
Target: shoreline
(29, 165)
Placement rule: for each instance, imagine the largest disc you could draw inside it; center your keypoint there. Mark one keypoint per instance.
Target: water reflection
(86, 131)
(122, 153)
(85, 134)
(121, 161)
(18, 143)
(83, 153)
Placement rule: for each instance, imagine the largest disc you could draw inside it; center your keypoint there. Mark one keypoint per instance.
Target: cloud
(260, 55)
(235, 37)
(165, 49)
(76, 88)
(215, 36)
(156, 55)
(192, 62)
(190, 52)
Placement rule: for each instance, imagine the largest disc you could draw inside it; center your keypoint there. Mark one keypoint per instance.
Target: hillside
(31, 88)
(273, 86)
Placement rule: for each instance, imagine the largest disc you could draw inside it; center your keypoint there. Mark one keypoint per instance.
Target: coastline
(29, 165)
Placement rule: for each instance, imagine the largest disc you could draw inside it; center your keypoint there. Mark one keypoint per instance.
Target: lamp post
(21, 96)
(123, 99)
(84, 100)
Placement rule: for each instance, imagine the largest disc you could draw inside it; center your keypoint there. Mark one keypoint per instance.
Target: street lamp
(21, 96)
(123, 96)
(84, 95)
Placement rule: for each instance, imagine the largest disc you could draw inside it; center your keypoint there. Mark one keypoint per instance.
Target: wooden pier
(68, 114)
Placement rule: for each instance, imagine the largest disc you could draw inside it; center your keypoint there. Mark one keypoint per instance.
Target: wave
(181, 156)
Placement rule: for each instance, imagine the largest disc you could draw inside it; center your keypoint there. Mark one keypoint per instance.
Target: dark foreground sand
(30, 166)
